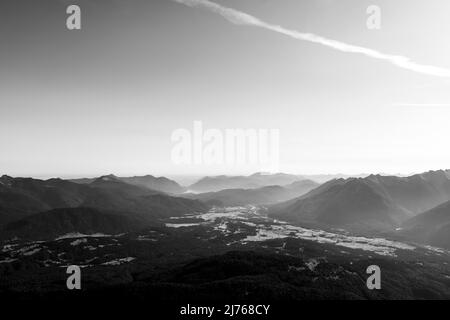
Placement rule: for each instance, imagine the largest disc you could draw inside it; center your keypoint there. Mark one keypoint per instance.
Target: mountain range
(258, 196)
(256, 180)
(162, 184)
(415, 207)
(23, 197)
(372, 203)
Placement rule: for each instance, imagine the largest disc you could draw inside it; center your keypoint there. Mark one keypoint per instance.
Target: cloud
(241, 18)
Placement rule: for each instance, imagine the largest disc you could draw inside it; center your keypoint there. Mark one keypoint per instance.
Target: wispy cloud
(241, 18)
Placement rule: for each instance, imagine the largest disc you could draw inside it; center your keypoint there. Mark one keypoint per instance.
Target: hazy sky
(106, 99)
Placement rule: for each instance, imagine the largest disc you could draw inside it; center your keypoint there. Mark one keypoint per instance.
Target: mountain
(354, 204)
(257, 180)
(58, 222)
(431, 227)
(417, 193)
(111, 193)
(162, 184)
(155, 183)
(322, 178)
(301, 187)
(258, 196)
(372, 203)
(111, 183)
(22, 197)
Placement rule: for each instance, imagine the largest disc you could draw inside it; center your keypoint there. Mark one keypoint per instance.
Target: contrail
(241, 18)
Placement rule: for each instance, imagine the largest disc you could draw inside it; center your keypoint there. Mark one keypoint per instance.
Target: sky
(107, 98)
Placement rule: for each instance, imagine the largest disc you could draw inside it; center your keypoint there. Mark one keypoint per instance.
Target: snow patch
(181, 225)
(74, 235)
(119, 261)
(78, 242)
(7, 260)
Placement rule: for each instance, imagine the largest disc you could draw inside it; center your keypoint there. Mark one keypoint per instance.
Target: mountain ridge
(375, 202)
(148, 181)
(257, 196)
(22, 197)
(256, 180)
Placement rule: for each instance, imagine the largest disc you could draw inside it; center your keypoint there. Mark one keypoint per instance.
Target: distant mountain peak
(260, 174)
(155, 183)
(256, 180)
(109, 177)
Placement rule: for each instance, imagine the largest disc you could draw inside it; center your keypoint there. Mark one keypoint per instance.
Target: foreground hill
(258, 196)
(58, 222)
(181, 267)
(211, 257)
(257, 180)
(375, 203)
(431, 227)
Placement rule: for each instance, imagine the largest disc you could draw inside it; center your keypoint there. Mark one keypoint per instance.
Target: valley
(237, 246)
